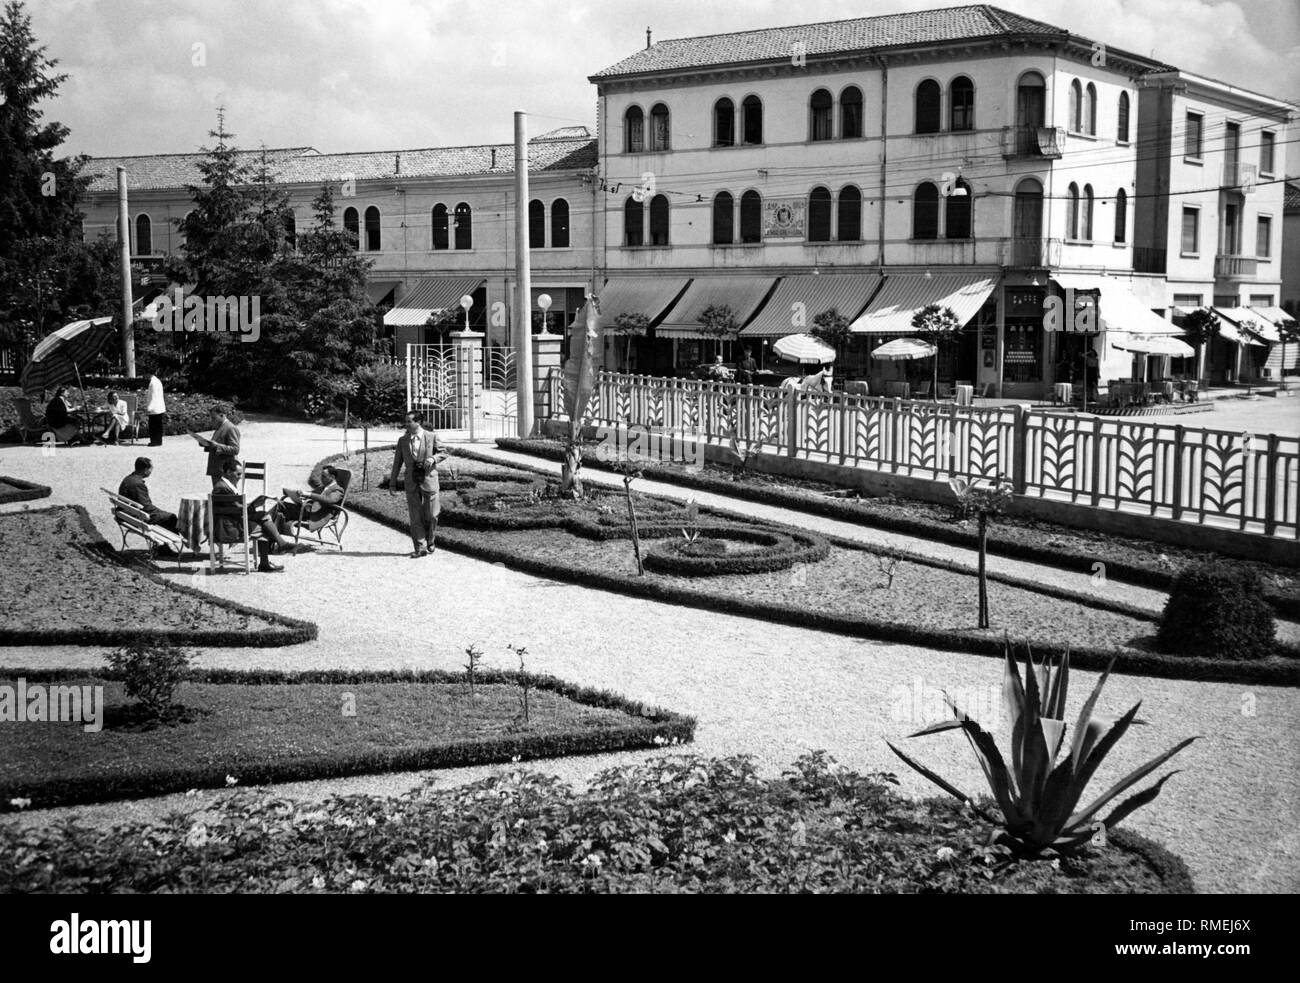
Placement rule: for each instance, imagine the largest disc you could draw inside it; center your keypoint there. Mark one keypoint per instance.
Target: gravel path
(758, 688)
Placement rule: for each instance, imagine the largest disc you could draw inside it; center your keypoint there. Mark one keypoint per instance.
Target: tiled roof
(1292, 199)
(888, 30)
(569, 148)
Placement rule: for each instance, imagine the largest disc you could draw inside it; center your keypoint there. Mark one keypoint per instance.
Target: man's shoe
(269, 568)
(419, 553)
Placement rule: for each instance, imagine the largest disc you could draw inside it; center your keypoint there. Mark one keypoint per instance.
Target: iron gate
(463, 388)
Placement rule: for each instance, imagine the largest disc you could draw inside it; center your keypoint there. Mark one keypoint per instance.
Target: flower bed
(278, 727)
(680, 825)
(61, 583)
(18, 490)
(1126, 559)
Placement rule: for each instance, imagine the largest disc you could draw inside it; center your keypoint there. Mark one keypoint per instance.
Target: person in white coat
(156, 410)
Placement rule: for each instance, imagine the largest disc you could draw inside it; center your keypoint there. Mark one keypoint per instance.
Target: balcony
(1031, 252)
(1149, 259)
(1239, 175)
(1234, 267)
(1033, 141)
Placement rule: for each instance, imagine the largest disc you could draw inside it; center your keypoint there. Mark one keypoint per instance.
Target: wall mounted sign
(784, 218)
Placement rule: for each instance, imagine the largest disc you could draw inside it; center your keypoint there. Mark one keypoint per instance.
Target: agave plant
(1038, 796)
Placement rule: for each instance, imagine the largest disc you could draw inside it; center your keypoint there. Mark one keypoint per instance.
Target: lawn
(286, 728)
(61, 583)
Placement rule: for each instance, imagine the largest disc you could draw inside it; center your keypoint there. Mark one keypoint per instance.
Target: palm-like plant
(579, 381)
(1038, 796)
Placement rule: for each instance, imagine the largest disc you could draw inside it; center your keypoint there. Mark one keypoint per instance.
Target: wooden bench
(132, 520)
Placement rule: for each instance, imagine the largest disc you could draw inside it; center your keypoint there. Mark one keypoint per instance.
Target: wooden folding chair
(233, 508)
(254, 471)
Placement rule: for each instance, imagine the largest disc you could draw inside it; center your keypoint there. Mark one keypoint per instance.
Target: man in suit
(133, 486)
(419, 454)
(229, 530)
(222, 447)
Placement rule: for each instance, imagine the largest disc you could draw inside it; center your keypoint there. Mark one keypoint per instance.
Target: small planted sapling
(525, 684)
(887, 561)
(474, 655)
(982, 501)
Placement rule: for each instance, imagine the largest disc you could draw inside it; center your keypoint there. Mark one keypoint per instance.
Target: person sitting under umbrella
(59, 417)
(118, 420)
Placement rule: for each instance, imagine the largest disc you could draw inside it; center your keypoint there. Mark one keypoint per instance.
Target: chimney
(494, 158)
(397, 163)
(647, 37)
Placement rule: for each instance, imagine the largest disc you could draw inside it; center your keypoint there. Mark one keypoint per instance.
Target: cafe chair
(333, 521)
(857, 388)
(228, 527)
(29, 421)
(922, 390)
(254, 471)
(132, 401)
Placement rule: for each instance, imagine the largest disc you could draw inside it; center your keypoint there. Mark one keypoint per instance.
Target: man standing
(747, 367)
(418, 452)
(222, 446)
(156, 410)
(133, 487)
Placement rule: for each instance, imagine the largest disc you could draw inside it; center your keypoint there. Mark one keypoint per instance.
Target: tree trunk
(983, 578)
(934, 382)
(571, 470)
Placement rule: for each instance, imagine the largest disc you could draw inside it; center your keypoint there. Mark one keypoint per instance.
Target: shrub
(380, 392)
(1219, 611)
(150, 674)
(191, 412)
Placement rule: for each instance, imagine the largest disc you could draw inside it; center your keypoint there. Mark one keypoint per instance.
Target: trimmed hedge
(292, 632)
(19, 490)
(659, 727)
(998, 545)
(778, 551)
(1217, 612)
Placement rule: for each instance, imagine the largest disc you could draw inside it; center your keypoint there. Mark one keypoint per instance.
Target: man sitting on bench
(133, 487)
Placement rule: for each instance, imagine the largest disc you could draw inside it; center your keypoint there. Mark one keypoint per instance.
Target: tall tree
(214, 230)
(938, 326)
(1200, 326)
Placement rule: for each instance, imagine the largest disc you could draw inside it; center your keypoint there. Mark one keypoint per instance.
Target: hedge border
(1170, 868)
(27, 491)
(292, 632)
(785, 550)
(1140, 576)
(656, 723)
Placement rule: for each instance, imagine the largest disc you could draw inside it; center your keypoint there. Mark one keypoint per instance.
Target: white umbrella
(804, 348)
(902, 349)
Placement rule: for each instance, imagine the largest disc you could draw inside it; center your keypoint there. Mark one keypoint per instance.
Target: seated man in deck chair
(308, 506)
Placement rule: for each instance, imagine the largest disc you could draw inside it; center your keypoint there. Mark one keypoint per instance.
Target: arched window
(633, 223)
(850, 215)
(1076, 106)
(143, 235)
(352, 226)
(372, 229)
(290, 230)
(1027, 219)
(752, 120)
(1121, 126)
(559, 224)
(659, 128)
(439, 220)
(1090, 110)
(927, 106)
(536, 225)
(724, 219)
(821, 119)
(961, 104)
(925, 212)
(634, 130)
(1072, 213)
(724, 123)
(1087, 211)
(957, 212)
(851, 113)
(1121, 215)
(819, 215)
(464, 221)
(1031, 109)
(751, 217)
(659, 221)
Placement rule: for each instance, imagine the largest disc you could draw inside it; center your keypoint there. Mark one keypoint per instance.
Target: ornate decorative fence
(1229, 480)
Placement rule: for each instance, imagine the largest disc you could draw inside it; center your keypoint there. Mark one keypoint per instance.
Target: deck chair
(29, 421)
(254, 471)
(132, 520)
(944, 391)
(226, 512)
(334, 520)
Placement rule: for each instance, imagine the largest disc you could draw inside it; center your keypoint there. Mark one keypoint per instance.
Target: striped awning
(742, 294)
(1267, 320)
(802, 298)
(431, 295)
(648, 295)
(1239, 325)
(1118, 308)
(898, 301)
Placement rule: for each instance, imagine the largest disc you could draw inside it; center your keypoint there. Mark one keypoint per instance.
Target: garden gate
(463, 387)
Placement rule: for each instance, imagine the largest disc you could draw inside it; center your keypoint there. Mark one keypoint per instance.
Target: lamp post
(544, 302)
(467, 302)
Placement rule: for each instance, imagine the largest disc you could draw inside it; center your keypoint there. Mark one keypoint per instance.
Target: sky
(146, 76)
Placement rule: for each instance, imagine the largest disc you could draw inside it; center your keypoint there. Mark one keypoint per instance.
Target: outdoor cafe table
(1062, 392)
(192, 520)
(965, 395)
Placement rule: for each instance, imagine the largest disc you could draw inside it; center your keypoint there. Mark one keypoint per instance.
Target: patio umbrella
(804, 348)
(55, 360)
(903, 349)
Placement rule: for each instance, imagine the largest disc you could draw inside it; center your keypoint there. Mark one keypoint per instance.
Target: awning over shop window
(1232, 321)
(1118, 308)
(430, 295)
(901, 297)
(846, 293)
(742, 294)
(648, 295)
(1155, 345)
(1268, 319)
(378, 290)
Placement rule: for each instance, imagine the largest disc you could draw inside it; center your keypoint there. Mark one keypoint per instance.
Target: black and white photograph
(581, 447)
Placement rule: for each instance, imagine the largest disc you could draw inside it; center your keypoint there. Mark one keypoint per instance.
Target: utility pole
(524, 285)
(124, 247)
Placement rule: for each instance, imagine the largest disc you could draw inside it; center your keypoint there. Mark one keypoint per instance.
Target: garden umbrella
(54, 362)
(902, 349)
(804, 348)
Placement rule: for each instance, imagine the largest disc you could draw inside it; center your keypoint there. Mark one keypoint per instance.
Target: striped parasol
(55, 360)
(804, 348)
(902, 349)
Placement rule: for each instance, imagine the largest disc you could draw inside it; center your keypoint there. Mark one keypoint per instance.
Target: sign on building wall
(784, 218)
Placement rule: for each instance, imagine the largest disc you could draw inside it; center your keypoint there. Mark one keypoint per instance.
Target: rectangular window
(1266, 144)
(1261, 300)
(1192, 136)
(1191, 230)
(1187, 301)
(1263, 237)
